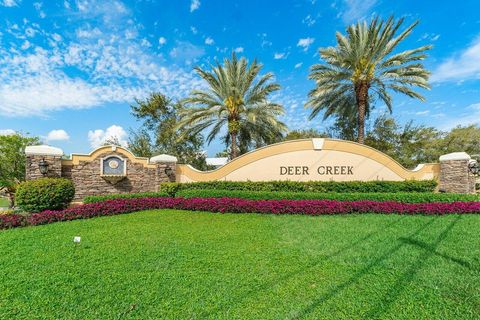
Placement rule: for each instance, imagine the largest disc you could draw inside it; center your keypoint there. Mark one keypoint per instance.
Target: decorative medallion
(113, 164)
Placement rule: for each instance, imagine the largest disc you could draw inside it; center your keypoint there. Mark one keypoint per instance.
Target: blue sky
(70, 69)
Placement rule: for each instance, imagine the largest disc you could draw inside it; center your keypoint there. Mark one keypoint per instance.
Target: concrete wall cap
(163, 158)
(43, 150)
(318, 143)
(455, 156)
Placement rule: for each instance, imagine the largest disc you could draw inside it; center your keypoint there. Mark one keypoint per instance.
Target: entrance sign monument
(114, 169)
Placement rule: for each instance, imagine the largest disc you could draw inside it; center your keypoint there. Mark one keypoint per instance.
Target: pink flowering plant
(235, 205)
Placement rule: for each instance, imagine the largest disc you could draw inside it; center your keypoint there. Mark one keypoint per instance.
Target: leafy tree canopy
(160, 132)
(13, 160)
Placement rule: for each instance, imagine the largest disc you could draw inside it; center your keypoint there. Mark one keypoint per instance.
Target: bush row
(45, 193)
(307, 186)
(412, 197)
(234, 205)
(94, 199)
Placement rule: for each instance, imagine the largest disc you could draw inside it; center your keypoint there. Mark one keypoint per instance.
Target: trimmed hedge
(309, 186)
(94, 199)
(233, 205)
(418, 197)
(44, 194)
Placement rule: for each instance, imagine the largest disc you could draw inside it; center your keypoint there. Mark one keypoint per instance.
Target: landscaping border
(235, 205)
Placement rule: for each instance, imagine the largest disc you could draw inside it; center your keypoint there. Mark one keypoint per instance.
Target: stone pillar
(165, 169)
(455, 177)
(52, 155)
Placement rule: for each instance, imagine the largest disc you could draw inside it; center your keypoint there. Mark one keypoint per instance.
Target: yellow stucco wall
(364, 163)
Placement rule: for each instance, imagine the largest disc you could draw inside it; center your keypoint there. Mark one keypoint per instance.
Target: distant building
(216, 162)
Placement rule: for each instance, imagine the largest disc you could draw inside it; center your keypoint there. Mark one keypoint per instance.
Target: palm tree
(235, 100)
(362, 68)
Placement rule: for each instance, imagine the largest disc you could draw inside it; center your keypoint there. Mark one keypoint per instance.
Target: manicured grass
(177, 264)
(4, 202)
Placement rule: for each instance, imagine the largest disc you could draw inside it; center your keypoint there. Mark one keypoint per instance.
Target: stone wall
(455, 176)
(142, 175)
(33, 169)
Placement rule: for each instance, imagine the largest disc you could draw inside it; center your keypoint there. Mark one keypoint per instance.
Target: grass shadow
(402, 282)
(358, 275)
(432, 249)
(277, 281)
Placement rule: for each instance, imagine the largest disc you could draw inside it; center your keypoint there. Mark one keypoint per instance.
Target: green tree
(12, 162)
(461, 138)
(344, 127)
(140, 143)
(409, 144)
(160, 132)
(237, 101)
(304, 134)
(362, 68)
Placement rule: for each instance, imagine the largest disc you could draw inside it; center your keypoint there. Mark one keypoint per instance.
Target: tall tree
(12, 161)
(362, 67)
(160, 132)
(237, 98)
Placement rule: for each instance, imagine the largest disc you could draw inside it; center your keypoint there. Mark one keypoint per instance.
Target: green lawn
(175, 264)
(4, 202)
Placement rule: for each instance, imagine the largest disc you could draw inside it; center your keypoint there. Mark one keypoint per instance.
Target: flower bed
(234, 205)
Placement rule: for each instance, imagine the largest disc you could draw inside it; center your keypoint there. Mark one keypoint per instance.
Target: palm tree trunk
(233, 151)
(361, 92)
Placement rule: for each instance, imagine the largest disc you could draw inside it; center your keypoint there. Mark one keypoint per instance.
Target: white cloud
(238, 49)
(461, 66)
(26, 44)
(9, 3)
(430, 37)
(194, 30)
(279, 55)
(209, 41)
(298, 65)
(194, 5)
(7, 132)
(305, 43)
(422, 113)
(470, 116)
(58, 135)
(85, 66)
(186, 52)
(356, 9)
(98, 137)
(162, 41)
(309, 21)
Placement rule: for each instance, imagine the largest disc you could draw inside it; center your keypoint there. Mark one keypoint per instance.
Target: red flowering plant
(235, 205)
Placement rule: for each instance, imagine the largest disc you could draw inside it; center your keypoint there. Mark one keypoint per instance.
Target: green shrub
(417, 197)
(309, 186)
(44, 194)
(171, 188)
(94, 199)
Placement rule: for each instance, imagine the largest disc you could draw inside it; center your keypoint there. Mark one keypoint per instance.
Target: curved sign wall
(312, 159)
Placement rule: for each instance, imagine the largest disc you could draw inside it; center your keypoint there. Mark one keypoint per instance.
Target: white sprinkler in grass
(77, 239)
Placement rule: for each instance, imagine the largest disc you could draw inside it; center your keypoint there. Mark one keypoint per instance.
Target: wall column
(52, 155)
(455, 177)
(165, 169)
